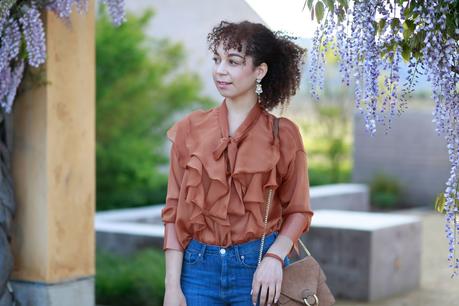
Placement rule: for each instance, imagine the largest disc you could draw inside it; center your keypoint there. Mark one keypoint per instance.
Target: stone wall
(411, 152)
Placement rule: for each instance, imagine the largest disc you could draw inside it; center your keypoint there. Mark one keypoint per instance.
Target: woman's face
(232, 77)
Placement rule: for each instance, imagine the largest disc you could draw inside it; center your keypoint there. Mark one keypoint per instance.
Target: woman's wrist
(269, 254)
(281, 246)
(172, 285)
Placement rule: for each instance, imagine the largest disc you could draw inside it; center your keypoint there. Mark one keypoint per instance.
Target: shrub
(134, 281)
(385, 191)
(138, 89)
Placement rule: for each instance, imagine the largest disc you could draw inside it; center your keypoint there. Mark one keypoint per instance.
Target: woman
(223, 161)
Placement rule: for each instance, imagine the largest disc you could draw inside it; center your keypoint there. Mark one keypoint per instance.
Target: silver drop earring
(259, 90)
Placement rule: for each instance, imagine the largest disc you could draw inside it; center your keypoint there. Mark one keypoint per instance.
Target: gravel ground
(436, 286)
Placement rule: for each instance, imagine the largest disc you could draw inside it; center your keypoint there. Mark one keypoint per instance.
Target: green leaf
(413, 4)
(410, 24)
(395, 23)
(341, 14)
(407, 29)
(343, 3)
(440, 203)
(409, 9)
(417, 54)
(375, 25)
(381, 25)
(310, 4)
(330, 5)
(450, 25)
(418, 40)
(406, 51)
(319, 11)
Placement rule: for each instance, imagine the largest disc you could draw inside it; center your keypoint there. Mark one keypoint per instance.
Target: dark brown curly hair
(284, 58)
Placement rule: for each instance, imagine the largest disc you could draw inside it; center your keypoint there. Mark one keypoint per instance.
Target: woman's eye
(216, 60)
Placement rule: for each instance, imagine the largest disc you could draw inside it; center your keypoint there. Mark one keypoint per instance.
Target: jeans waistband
(248, 246)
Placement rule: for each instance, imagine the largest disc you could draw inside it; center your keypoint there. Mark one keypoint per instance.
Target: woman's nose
(221, 68)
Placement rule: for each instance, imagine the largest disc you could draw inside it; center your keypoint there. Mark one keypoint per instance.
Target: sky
(285, 15)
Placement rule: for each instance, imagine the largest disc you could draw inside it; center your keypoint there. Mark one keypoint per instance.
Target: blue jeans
(212, 275)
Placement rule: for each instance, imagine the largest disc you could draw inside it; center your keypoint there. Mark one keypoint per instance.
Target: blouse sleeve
(168, 213)
(295, 200)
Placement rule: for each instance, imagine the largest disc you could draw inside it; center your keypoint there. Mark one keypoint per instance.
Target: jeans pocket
(192, 257)
(249, 260)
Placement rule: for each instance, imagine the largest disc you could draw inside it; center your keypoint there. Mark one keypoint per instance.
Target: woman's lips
(223, 84)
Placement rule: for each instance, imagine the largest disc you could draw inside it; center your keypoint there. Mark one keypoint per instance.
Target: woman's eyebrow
(235, 54)
(230, 54)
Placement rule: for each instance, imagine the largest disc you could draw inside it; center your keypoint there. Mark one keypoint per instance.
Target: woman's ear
(262, 69)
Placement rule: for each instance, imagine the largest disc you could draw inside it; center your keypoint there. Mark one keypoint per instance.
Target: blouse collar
(243, 128)
(241, 132)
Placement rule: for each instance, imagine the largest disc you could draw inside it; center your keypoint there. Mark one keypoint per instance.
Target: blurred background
(155, 68)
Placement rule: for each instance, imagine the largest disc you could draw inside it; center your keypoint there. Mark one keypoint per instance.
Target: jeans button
(222, 251)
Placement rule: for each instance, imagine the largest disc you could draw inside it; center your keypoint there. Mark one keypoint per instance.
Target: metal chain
(270, 192)
(268, 204)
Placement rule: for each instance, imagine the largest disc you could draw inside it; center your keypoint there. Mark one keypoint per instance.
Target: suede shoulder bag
(303, 281)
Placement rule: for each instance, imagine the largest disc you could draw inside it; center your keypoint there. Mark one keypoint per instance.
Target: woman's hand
(267, 280)
(174, 296)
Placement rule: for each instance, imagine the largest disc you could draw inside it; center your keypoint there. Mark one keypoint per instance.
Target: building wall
(411, 152)
(189, 22)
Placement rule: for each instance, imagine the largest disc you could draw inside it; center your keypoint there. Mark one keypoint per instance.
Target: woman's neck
(237, 112)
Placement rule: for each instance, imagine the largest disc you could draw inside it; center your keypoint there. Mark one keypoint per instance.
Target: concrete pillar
(54, 171)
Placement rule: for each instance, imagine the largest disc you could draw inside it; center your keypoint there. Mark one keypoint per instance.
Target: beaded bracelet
(275, 256)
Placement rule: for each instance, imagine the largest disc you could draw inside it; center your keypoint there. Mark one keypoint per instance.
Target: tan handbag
(303, 281)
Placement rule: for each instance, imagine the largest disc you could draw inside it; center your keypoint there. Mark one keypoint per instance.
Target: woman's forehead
(230, 51)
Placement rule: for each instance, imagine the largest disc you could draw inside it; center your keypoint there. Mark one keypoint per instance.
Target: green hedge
(140, 86)
(130, 281)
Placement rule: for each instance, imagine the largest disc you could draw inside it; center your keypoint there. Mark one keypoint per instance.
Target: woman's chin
(225, 93)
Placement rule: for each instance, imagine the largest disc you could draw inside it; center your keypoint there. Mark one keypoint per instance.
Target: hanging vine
(370, 38)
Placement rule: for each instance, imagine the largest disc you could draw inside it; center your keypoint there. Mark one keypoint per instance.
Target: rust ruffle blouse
(218, 184)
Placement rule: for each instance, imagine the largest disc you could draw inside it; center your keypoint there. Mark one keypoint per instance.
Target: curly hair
(284, 58)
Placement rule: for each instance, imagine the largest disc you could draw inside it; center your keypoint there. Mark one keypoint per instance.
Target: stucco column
(54, 171)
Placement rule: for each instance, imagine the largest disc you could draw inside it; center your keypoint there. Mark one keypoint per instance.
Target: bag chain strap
(268, 204)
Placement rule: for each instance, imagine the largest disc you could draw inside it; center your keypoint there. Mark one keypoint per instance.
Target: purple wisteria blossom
(5, 6)
(116, 10)
(9, 82)
(316, 71)
(9, 49)
(32, 28)
(25, 25)
(368, 48)
(441, 58)
(63, 8)
(9, 42)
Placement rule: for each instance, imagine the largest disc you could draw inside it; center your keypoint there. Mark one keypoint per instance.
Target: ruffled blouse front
(218, 183)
